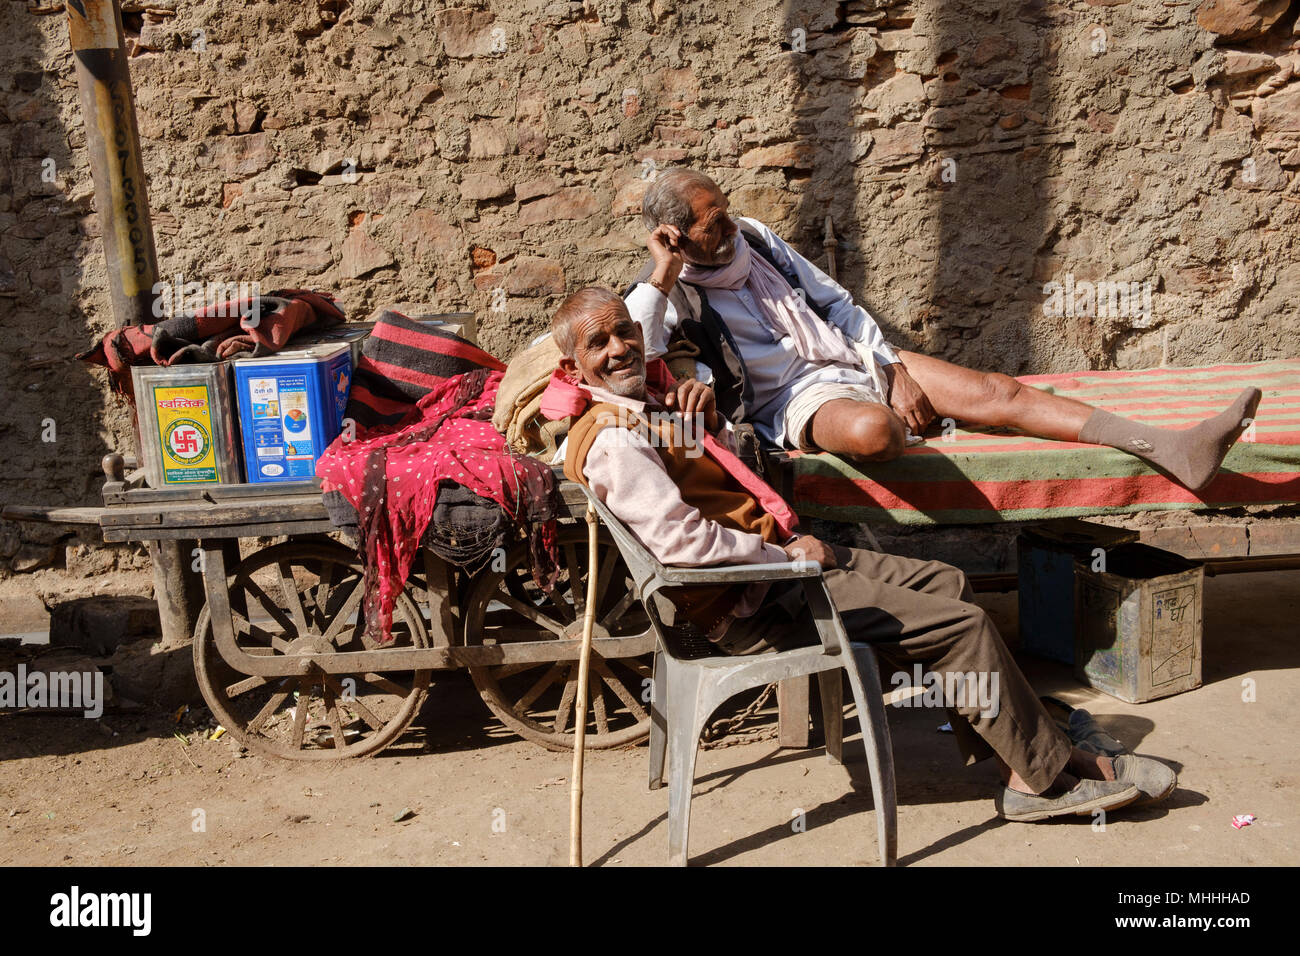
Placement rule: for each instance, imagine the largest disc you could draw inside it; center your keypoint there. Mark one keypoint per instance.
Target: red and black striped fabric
(402, 361)
(211, 334)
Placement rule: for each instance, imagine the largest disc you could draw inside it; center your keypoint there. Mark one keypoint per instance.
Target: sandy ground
(123, 791)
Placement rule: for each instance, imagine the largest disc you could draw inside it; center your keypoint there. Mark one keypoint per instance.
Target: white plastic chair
(688, 690)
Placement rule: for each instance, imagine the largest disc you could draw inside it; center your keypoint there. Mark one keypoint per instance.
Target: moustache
(632, 362)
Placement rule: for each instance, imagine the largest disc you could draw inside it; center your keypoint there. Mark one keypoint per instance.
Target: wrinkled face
(711, 240)
(609, 351)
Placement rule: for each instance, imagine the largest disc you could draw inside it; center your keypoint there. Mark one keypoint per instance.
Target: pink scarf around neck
(564, 397)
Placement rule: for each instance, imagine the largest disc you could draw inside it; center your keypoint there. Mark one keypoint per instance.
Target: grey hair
(581, 303)
(668, 197)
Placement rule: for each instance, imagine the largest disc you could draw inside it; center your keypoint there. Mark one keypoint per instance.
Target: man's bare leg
(1191, 455)
(858, 430)
(990, 398)
(1081, 764)
(875, 433)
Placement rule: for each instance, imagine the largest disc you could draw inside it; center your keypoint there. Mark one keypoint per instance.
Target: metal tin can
(353, 333)
(187, 425)
(290, 409)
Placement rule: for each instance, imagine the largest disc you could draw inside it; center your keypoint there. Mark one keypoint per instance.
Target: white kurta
(777, 372)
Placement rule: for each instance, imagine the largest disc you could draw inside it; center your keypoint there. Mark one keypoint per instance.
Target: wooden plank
(257, 530)
(795, 713)
(401, 658)
(1274, 537)
(440, 596)
(52, 515)
(1258, 562)
(206, 514)
(212, 492)
(1200, 542)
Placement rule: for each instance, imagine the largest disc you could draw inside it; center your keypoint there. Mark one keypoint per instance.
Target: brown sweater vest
(704, 485)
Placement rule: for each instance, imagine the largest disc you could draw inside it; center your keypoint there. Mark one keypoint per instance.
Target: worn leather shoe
(1153, 779)
(1086, 734)
(1082, 800)
(1082, 728)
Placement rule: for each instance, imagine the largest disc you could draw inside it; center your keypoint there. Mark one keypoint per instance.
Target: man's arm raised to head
(629, 476)
(650, 302)
(652, 310)
(823, 291)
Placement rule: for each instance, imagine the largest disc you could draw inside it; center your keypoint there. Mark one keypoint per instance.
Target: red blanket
(212, 333)
(392, 475)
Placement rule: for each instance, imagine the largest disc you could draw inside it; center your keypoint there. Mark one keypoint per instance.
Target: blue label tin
(290, 408)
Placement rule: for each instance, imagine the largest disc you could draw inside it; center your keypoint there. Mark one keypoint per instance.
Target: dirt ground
(122, 790)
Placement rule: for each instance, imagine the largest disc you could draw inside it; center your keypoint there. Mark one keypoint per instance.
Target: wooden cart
(280, 651)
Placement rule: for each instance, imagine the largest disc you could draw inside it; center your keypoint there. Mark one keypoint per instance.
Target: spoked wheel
(305, 598)
(536, 698)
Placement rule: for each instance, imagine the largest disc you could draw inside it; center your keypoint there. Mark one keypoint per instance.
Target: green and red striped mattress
(978, 476)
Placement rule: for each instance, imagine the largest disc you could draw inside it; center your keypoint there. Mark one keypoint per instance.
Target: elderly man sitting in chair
(794, 355)
(691, 502)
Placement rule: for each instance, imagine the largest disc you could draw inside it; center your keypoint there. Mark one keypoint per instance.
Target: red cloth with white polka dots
(391, 475)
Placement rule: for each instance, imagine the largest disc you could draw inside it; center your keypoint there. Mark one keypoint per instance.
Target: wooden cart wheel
(294, 598)
(536, 699)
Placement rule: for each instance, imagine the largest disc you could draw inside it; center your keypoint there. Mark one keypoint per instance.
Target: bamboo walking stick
(584, 662)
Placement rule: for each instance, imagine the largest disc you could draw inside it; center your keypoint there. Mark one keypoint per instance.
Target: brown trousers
(921, 612)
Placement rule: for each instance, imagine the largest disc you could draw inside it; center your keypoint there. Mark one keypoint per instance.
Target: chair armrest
(736, 573)
(650, 574)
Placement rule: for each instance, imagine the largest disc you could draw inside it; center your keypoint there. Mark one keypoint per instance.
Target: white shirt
(776, 371)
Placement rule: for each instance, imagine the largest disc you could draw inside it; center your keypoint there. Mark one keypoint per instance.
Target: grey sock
(1191, 455)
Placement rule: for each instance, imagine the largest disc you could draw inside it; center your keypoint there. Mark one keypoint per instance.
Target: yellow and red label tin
(185, 433)
(187, 428)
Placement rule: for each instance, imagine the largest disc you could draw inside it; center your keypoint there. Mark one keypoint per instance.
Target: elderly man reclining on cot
(691, 502)
(794, 355)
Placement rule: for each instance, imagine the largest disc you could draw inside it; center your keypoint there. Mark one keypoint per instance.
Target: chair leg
(869, 698)
(831, 686)
(684, 726)
(658, 722)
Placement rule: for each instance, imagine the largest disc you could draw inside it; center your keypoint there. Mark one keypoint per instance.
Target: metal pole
(121, 200)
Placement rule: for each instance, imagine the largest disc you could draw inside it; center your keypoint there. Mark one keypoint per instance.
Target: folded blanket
(402, 361)
(519, 401)
(261, 325)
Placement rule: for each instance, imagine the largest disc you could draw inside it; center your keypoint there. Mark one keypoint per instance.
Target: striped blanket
(979, 476)
(402, 360)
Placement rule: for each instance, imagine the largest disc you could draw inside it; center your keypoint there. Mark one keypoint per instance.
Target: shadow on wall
(54, 410)
(927, 122)
(1005, 147)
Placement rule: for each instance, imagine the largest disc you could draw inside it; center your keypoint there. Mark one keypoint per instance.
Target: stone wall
(491, 156)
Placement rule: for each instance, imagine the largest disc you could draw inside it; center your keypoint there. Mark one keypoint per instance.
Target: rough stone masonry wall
(490, 156)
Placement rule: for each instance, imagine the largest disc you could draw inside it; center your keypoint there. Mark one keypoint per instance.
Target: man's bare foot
(1082, 764)
(1067, 795)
